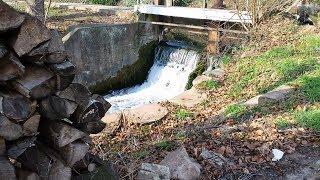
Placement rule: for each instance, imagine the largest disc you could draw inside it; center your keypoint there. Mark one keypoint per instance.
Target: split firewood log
(52, 51)
(9, 130)
(93, 127)
(7, 171)
(18, 147)
(56, 49)
(58, 134)
(15, 106)
(105, 103)
(10, 67)
(10, 18)
(36, 83)
(3, 48)
(55, 108)
(30, 127)
(34, 159)
(31, 33)
(77, 93)
(2, 146)
(74, 152)
(65, 73)
(23, 174)
(89, 112)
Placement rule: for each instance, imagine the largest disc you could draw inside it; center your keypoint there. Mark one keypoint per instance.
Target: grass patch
(281, 123)
(235, 110)
(309, 119)
(141, 154)
(183, 114)
(164, 145)
(209, 85)
(311, 88)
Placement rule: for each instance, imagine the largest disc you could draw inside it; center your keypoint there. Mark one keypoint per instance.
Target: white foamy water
(167, 78)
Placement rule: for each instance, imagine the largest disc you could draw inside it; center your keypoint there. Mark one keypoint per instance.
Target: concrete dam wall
(112, 57)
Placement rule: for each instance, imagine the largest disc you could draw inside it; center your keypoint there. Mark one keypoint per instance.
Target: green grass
(183, 114)
(279, 65)
(281, 123)
(209, 85)
(235, 110)
(164, 145)
(309, 119)
(141, 154)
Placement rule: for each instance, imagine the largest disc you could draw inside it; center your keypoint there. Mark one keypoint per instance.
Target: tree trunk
(36, 8)
(218, 4)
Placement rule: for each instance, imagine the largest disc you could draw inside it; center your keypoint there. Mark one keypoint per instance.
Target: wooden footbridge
(199, 20)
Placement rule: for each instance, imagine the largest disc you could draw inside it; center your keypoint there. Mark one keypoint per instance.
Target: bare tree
(36, 8)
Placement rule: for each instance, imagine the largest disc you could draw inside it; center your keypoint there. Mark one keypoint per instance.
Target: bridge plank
(196, 13)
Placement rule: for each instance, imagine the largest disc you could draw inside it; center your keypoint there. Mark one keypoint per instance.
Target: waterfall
(167, 78)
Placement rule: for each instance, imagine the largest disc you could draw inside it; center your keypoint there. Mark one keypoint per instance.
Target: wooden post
(213, 43)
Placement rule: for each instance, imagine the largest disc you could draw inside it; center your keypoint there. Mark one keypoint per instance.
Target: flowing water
(167, 78)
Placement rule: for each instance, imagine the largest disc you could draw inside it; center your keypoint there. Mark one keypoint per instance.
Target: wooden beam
(195, 27)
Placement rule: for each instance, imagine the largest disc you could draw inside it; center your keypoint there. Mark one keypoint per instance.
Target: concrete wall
(103, 52)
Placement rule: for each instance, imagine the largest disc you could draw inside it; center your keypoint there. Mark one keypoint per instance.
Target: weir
(173, 63)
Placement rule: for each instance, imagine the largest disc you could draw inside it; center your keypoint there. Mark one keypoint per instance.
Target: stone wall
(111, 56)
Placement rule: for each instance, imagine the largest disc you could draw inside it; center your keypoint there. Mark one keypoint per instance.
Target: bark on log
(10, 67)
(37, 82)
(7, 171)
(30, 127)
(31, 33)
(9, 130)
(15, 106)
(2, 146)
(26, 175)
(10, 18)
(58, 134)
(77, 93)
(17, 148)
(74, 152)
(88, 113)
(55, 108)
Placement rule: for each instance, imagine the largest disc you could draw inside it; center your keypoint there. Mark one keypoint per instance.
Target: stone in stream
(215, 73)
(181, 165)
(153, 172)
(144, 114)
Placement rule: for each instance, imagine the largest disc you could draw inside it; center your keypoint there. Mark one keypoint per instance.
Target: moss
(129, 75)
(201, 67)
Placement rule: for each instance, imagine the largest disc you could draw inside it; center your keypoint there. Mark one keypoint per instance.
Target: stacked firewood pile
(45, 119)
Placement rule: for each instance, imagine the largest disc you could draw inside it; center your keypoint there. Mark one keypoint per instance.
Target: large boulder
(153, 172)
(181, 165)
(145, 114)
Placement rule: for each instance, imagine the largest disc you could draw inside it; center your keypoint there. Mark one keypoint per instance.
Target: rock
(277, 95)
(181, 165)
(216, 73)
(198, 80)
(113, 122)
(189, 98)
(153, 172)
(213, 158)
(145, 114)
